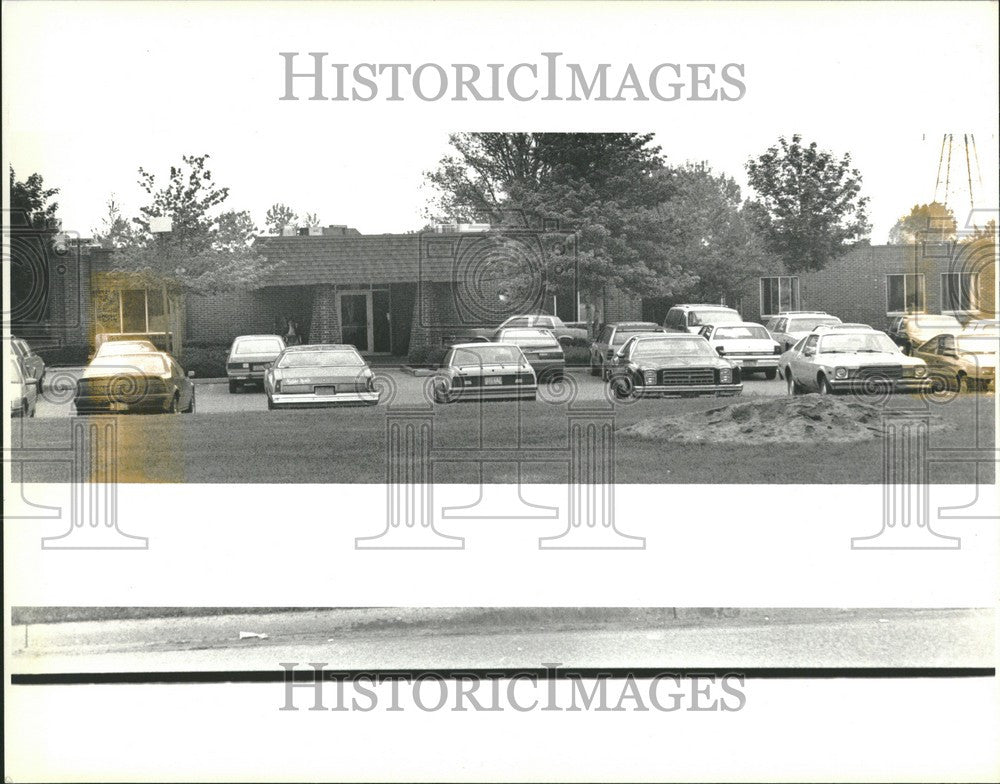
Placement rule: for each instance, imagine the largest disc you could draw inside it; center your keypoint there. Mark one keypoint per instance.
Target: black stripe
(304, 673)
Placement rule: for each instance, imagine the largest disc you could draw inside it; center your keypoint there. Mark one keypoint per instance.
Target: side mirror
(190, 374)
(719, 350)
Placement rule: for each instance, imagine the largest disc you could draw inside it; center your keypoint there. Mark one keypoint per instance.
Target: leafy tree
(278, 217)
(602, 186)
(33, 227)
(811, 209)
(30, 201)
(709, 233)
(115, 231)
(933, 222)
(311, 219)
(205, 250)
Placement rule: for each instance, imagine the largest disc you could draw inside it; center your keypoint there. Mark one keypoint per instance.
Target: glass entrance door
(356, 318)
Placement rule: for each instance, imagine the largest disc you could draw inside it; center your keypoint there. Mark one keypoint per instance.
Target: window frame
(922, 287)
(794, 300)
(973, 293)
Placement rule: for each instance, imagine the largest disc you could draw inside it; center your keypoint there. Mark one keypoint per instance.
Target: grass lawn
(348, 446)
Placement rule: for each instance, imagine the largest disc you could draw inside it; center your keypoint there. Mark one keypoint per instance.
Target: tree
(599, 185)
(709, 234)
(934, 222)
(205, 250)
(116, 231)
(278, 217)
(311, 219)
(33, 226)
(811, 209)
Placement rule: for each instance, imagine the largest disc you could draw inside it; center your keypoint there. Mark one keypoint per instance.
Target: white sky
(93, 91)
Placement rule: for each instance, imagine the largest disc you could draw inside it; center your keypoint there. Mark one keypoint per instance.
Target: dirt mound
(807, 419)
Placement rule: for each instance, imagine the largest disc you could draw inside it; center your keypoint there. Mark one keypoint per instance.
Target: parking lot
(234, 438)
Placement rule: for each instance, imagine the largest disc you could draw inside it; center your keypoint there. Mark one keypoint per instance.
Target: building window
(778, 294)
(131, 310)
(905, 293)
(959, 291)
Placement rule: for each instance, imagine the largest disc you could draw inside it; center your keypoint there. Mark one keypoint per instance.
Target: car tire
(595, 370)
(270, 403)
(190, 408)
(770, 374)
(824, 386)
(791, 384)
(233, 386)
(622, 388)
(174, 405)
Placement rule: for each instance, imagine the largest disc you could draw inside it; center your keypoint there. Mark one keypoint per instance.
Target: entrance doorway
(364, 320)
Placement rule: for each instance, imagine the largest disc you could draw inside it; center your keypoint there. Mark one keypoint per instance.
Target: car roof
(247, 337)
(622, 324)
(736, 324)
(705, 306)
(668, 336)
(802, 313)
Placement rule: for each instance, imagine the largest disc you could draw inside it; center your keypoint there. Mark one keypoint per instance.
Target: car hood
(867, 360)
(667, 361)
(321, 375)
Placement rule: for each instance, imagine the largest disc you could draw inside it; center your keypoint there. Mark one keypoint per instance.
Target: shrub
(207, 360)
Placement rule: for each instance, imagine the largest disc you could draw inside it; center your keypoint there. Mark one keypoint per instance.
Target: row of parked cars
(697, 350)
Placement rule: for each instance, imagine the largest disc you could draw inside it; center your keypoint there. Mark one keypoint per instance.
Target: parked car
(23, 390)
(917, 328)
(967, 359)
(671, 364)
(115, 348)
(249, 357)
(481, 371)
(849, 326)
(861, 359)
(135, 383)
(164, 341)
(790, 326)
(747, 345)
(611, 338)
(325, 374)
(563, 332)
(32, 364)
(540, 348)
(691, 318)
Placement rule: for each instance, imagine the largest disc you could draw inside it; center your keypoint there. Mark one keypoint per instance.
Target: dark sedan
(672, 364)
(541, 348)
(134, 383)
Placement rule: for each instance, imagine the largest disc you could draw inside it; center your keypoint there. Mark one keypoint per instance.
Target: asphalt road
(233, 438)
(782, 638)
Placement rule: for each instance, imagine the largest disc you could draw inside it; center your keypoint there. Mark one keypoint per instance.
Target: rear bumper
(245, 375)
(689, 389)
(752, 362)
(509, 392)
(101, 404)
(312, 400)
(548, 367)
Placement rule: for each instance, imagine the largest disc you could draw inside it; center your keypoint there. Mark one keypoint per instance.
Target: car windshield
(257, 346)
(486, 355)
(714, 317)
(116, 348)
(744, 332)
(977, 344)
(809, 324)
(537, 337)
(857, 343)
(313, 359)
(624, 333)
(125, 363)
(674, 347)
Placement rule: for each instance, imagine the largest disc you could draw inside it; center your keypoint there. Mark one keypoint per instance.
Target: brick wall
(325, 320)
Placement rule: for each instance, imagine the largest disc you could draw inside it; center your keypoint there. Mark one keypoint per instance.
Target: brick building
(871, 284)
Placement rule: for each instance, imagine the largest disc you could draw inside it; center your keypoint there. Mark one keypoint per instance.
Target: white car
(747, 345)
(118, 348)
(23, 392)
(789, 327)
(863, 360)
(691, 318)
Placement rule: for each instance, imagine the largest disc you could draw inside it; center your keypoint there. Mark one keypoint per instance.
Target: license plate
(330, 390)
(118, 407)
(258, 367)
(749, 361)
(493, 381)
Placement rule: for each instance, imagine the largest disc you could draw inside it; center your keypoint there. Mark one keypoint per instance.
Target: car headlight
(920, 371)
(649, 377)
(726, 376)
(245, 365)
(840, 372)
